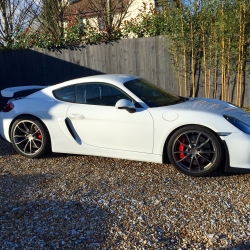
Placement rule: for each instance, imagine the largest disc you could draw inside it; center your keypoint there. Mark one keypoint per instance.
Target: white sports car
(127, 117)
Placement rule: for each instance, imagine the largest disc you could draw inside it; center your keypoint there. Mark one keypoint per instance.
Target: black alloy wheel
(195, 150)
(30, 137)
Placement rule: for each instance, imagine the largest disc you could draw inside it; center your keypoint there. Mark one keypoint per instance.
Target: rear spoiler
(21, 91)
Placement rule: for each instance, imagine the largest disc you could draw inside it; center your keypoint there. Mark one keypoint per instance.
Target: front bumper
(237, 148)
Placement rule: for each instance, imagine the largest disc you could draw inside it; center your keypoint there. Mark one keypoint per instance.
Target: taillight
(8, 107)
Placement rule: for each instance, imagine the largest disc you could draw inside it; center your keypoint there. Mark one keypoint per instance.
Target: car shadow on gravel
(31, 218)
(223, 174)
(241, 246)
(6, 148)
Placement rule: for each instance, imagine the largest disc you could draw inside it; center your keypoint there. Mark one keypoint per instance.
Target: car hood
(216, 107)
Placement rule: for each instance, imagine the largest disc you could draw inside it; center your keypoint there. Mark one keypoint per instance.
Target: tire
(195, 150)
(30, 137)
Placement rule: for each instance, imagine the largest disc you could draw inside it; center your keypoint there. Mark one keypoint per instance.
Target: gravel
(84, 202)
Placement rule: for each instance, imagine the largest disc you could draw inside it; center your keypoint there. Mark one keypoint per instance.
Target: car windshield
(152, 95)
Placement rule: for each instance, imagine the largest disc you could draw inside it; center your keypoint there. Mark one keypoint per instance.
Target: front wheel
(195, 150)
(30, 137)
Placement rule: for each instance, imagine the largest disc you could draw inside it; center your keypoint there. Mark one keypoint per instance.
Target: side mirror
(125, 104)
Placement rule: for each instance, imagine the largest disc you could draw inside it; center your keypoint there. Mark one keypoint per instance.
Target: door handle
(77, 116)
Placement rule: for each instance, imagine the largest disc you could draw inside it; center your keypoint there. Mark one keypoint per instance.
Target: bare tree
(50, 16)
(15, 16)
(110, 13)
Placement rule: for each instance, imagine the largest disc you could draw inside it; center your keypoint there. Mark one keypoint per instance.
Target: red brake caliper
(181, 148)
(39, 135)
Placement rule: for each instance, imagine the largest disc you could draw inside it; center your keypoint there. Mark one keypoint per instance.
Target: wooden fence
(146, 57)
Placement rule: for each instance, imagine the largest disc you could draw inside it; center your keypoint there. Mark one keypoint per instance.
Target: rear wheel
(195, 151)
(30, 137)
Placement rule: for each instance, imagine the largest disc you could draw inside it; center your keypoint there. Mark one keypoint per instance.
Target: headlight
(238, 124)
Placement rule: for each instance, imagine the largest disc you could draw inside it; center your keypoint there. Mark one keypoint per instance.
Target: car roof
(109, 78)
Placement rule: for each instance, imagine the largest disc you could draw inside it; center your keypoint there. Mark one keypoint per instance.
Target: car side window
(99, 94)
(66, 94)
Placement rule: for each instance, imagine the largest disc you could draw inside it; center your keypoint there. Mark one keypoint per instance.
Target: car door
(97, 122)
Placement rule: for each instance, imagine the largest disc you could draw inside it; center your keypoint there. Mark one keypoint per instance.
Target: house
(102, 13)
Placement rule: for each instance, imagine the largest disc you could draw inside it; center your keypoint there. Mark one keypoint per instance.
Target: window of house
(158, 5)
(101, 23)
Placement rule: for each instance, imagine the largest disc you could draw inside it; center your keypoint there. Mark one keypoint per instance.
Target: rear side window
(66, 94)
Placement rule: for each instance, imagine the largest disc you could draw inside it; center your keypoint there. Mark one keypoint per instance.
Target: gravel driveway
(84, 202)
